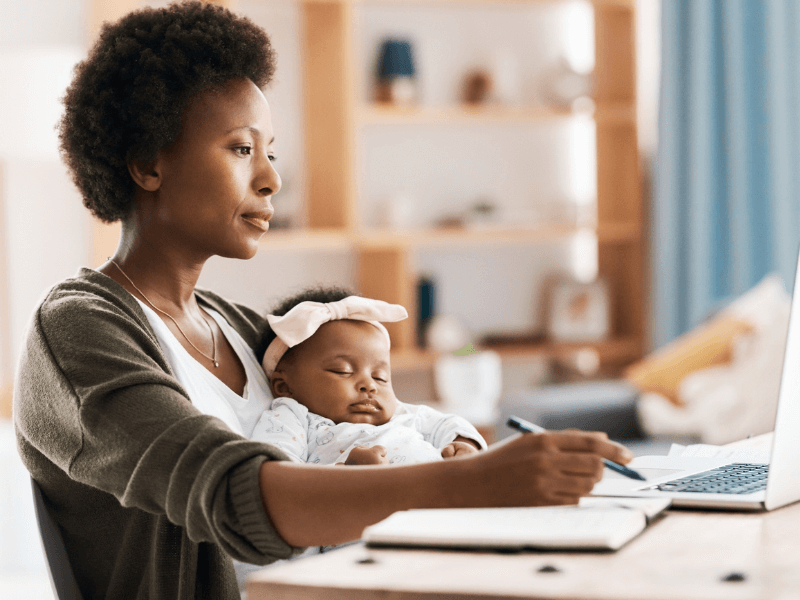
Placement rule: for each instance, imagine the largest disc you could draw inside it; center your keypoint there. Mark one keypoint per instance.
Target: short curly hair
(126, 99)
(312, 294)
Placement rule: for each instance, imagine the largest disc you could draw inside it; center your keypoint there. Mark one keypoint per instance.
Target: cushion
(705, 346)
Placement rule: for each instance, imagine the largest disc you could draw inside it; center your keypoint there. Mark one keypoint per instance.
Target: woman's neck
(154, 268)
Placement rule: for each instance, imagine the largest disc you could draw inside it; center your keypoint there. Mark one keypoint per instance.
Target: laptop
(718, 482)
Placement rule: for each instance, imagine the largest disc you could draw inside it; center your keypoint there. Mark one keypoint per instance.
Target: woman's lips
(258, 222)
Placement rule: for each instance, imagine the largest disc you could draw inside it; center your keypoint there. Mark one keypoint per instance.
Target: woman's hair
(313, 294)
(126, 99)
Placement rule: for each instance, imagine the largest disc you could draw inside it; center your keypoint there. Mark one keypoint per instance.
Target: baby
(327, 361)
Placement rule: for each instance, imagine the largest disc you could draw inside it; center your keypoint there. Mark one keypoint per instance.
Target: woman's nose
(268, 181)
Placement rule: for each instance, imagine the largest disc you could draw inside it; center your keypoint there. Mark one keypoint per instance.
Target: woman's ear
(146, 176)
(279, 386)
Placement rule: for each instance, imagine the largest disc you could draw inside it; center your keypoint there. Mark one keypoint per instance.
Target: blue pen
(526, 427)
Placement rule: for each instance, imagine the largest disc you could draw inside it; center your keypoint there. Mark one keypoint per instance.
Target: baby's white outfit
(415, 434)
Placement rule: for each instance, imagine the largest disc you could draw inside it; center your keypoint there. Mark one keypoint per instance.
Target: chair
(61, 578)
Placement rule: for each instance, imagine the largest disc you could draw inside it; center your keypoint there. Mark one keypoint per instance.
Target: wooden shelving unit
(333, 120)
(616, 351)
(334, 116)
(460, 115)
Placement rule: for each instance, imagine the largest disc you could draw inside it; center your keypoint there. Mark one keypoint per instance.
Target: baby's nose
(367, 385)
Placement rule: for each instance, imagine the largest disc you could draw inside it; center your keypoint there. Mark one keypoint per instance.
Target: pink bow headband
(303, 320)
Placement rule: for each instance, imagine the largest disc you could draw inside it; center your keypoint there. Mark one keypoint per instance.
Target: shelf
(307, 239)
(457, 115)
(464, 236)
(377, 114)
(629, 4)
(341, 239)
(617, 233)
(612, 351)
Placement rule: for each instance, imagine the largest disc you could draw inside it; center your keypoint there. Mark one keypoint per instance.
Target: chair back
(61, 577)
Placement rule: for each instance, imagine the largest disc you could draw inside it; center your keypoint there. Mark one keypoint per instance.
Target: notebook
(594, 524)
(730, 481)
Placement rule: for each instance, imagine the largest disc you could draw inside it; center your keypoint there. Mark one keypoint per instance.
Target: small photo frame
(577, 311)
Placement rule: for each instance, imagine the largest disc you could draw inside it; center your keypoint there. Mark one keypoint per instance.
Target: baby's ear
(279, 386)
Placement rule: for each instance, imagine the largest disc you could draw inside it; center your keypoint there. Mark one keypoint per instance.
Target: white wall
(42, 22)
(648, 72)
(46, 237)
(45, 233)
(46, 227)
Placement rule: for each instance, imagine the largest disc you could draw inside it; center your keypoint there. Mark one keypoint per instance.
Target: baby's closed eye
(344, 373)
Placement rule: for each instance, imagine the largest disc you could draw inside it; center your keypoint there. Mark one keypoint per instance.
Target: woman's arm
(310, 506)
(95, 400)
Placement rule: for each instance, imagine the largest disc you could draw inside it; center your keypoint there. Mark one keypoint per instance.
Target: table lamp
(396, 75)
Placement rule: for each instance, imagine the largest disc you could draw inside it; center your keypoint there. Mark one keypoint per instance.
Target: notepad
(598, 524)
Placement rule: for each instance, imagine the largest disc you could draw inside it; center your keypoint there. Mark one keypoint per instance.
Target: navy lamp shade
(395, 60)
(396, 83)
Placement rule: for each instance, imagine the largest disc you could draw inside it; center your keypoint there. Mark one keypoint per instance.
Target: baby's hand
(364, 455)
(458, 448)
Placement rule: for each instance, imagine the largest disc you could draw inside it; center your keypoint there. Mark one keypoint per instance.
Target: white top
(416, 433)
(212, 397)
(208, 394)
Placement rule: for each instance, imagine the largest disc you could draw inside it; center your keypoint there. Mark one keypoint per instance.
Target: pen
(526, 427)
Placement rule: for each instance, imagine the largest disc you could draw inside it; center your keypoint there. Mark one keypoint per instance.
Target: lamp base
(401, 91)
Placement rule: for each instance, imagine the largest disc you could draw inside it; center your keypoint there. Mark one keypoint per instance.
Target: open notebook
(594, 524)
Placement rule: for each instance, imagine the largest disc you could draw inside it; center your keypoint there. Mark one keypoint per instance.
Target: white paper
(748, 455)
(649, 506)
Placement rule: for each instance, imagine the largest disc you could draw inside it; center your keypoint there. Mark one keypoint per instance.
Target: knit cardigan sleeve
(96, 397)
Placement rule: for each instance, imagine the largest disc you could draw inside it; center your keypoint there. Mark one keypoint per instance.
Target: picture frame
(577, 311)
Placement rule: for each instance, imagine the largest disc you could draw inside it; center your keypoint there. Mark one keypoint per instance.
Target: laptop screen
(783, 483)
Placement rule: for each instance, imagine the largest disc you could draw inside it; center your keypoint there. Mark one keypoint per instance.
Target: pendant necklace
(213, 357)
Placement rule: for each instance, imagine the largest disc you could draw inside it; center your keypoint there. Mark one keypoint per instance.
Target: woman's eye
(272, 158)
(243, 150)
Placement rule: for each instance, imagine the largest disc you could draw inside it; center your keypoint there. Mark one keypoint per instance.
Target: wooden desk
(683, 556)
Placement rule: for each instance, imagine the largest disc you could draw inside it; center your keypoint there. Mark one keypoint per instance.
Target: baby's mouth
(368, 405)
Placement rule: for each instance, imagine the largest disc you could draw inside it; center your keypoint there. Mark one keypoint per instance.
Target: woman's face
(217, 179)
(341, 372)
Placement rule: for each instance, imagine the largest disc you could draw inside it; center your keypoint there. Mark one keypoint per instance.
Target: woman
(135, 391)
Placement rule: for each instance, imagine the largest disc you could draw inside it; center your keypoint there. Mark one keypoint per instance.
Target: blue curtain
(726, 197)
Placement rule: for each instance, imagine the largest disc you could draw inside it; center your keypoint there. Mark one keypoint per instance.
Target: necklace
(213, 357)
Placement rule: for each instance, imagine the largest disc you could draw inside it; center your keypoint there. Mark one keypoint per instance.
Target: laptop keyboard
(736, 478)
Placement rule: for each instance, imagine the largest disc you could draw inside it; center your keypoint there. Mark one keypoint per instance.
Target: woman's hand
(556, 467)
(366, 455)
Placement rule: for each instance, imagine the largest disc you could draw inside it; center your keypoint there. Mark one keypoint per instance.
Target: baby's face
(342, 373)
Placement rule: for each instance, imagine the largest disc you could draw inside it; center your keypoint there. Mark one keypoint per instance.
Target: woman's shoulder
(90, 326)
(89, 293)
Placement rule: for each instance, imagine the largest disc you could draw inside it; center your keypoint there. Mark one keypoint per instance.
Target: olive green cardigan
(153, 497)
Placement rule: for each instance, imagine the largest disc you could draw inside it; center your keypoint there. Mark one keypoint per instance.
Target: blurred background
(573, 197)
